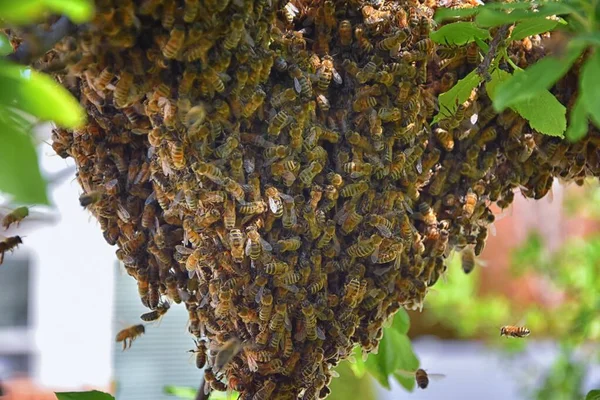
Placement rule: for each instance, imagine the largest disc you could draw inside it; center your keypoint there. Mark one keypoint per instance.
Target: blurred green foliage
(27, 96)
(572, 275)
(92, 395)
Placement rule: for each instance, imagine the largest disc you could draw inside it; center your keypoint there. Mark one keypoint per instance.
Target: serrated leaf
(543, 112)
(578, 121)
(93, 395)
(181, 392)
(401, 321)
(27, 11)
(459, 33)
(358, 367)
(5, 46)
(593, 395)
(19, 170)
(405, 381)
(458, 94)
(536, 78)
(38, 95)
(532, 27)
(492, 15)
(589, 87)
(450, 13)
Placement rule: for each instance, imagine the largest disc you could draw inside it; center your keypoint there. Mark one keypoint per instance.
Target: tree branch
(200, 395)
(484, 68)
(41, 42)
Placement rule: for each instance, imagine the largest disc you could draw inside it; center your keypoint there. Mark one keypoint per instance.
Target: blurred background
(63, 297)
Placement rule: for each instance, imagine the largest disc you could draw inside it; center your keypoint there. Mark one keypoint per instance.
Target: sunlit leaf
(5, 46)
(491, 15)
(26, 11)
(458, 94)
(38, 95)
(401, 321)
(539, 77)
(488, 18)
(589, 87)
(19, 170)
(93, 395)
(593, 395)
(181, 392)
(358, 367)
(459, 33)
(449, 13)
(578, 121)
(532, 27)
(395, 352)
(587, 38)
(543, 112)
(223, 395)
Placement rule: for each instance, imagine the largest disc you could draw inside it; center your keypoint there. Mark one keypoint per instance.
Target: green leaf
(38, 95)
(181, 392)
(401, 321)
(589, 86)
(593, 395)
(395, 352)
(578, 121)
(538, 77)
(492, 15)
(458, 94)
(5, 46)
(532, 27)
(449, 13)
(358, 366)
(93, 395)
(19, 170)
(406, 382)
(459, 33)
(27, 11)
(587, 39)
(544, 112)
(224, 395)
(488, 18)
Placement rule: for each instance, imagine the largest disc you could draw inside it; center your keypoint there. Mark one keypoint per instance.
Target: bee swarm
(272, 166)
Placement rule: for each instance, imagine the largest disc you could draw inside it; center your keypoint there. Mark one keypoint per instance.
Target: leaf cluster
(27, 96)
(527, 92)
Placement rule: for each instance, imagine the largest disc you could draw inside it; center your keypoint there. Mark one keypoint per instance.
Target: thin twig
(484, 67)
(201, 395)
(39, 44)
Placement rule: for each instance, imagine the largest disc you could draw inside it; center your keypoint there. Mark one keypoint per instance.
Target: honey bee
(307, 175)
(175, 43)
(90, 198)
(280, 120)
(291, 244)
(190, 10)
(422, 377)
(289, 217)
(354, 189)
(286, 96)
(15, 217)
(366, 247)
(345, 32)
(514, 331)
(393, 42)
(256, 244)
(279, 319)
(473, 53)
(265, 390)
(211, 382)
(201, 350)
(160, 311)
(363, 42)
(128, 335)
(470, 203)
(255, 207)
(211, 171)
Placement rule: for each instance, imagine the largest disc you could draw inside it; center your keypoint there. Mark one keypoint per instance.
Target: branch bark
(41, 42)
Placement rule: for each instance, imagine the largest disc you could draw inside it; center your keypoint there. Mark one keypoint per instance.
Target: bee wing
(266, 245)
(287, 322)
(320, 333)
(384, 230)
(297, 86)
(336, 245)
(183, 250)
(337, 78)
(403, 372)
(248, 246)
(436, 377)
(375, 255)
(273, 205)
(259, 294)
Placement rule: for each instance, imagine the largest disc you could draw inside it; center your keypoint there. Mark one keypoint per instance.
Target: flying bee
(175, 42)
(128, 335)
(514, 331)
(256, 244)
(160, 311)
(15, 217)
(226, 353)
(422, 377)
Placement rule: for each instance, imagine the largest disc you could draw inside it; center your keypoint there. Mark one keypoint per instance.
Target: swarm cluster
(272, 166)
